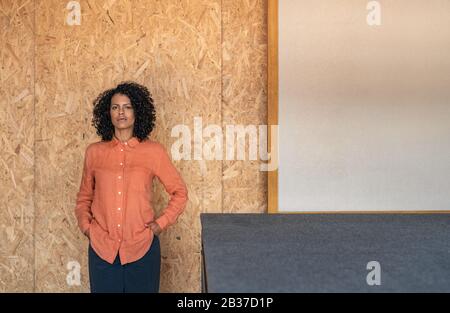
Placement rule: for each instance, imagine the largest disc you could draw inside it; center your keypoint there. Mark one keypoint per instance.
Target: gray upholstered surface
(326, 252)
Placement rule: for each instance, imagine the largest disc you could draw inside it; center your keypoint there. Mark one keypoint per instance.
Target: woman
(113, 206)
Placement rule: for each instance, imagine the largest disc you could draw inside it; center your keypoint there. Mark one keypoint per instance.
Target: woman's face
(122, 112)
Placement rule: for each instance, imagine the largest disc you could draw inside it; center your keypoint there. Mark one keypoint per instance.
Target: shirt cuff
(84, 227)
(162, 221)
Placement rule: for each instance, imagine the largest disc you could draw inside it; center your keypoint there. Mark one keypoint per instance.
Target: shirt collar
(132, 142)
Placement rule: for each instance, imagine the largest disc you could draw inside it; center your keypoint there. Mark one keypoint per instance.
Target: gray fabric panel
(326, 252)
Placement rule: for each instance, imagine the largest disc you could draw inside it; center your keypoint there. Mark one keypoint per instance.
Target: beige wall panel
(244, 99)
(17, 145)
(364, 109)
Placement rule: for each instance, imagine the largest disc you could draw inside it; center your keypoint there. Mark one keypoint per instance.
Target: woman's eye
(127, 107)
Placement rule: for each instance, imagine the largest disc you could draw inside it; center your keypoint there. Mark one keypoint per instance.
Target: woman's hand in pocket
(154, 227)
(87, 234)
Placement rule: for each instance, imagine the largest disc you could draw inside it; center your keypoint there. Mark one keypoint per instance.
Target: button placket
(119, 197)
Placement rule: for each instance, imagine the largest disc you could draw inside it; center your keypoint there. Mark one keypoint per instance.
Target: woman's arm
(169, 176)
(85, 195)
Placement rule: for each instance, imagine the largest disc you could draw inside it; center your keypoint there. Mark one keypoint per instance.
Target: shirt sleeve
(169, 176)
(85, 195)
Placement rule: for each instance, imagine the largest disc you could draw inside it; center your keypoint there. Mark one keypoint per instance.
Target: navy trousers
(139, 276)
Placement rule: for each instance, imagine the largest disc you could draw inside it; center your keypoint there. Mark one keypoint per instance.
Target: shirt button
(118, 209)
(118, 225)
(121, 163)
(120, 192)
(126, 143)
(120, 177)
(119, 239)
(121, 149)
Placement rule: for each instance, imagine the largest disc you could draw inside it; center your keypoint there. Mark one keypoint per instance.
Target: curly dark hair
(142, 103)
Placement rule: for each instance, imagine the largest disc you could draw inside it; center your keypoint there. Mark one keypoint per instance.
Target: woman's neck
(123, 136)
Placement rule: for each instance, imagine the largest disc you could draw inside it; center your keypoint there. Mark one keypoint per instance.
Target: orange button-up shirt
(114, 200)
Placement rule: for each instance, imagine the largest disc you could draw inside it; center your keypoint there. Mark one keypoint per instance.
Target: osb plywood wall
(199, 58)
(17, 125)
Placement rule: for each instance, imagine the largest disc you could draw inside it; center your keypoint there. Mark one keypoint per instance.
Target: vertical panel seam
(34, 144)
(221, 100)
